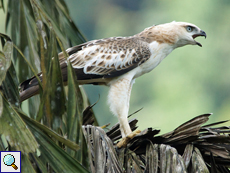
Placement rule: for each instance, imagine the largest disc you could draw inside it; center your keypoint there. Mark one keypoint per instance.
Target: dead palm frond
(191, 147)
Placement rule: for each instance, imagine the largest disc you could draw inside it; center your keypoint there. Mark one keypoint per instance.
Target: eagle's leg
(118, 99)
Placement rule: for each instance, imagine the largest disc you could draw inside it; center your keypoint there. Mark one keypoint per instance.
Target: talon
(124, 141)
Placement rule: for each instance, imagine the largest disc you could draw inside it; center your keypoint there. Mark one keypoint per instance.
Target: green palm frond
(40, 30)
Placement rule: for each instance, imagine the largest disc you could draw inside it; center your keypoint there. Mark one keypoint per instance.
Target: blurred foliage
(190, 81)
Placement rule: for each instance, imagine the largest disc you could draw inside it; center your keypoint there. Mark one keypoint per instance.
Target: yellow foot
(124, 141)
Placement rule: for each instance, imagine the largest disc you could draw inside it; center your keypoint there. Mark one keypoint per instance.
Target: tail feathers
(29, 88)
(29, 92)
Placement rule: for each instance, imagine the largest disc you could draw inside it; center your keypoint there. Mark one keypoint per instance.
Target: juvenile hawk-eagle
(118, 61)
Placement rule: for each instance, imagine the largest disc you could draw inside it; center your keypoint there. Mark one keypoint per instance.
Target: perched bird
(118, 61)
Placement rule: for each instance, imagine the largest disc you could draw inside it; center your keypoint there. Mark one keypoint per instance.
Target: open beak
(202, 33)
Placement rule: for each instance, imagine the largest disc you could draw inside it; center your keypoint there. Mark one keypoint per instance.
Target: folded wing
(109, 57)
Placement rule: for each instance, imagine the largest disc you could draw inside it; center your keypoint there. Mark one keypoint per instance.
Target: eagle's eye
(189, 28)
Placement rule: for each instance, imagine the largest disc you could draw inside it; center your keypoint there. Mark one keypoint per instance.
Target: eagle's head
(176, 34)
(186, 33)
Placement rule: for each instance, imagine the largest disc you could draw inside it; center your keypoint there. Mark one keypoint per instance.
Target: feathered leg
(118, 99)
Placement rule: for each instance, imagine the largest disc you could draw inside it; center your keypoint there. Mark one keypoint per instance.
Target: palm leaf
(51, 153)
(50, 132)
(74, 117)
(15, 130)
(41, 35)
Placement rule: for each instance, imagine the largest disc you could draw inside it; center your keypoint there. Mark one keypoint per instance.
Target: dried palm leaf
(189, 148)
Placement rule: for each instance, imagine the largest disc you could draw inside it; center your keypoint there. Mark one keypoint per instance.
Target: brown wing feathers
(111, 57)
(97, 60)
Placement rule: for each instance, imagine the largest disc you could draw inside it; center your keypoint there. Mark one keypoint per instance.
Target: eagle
(117, 61)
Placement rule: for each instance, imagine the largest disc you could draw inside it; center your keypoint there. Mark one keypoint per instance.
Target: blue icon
(9, 160)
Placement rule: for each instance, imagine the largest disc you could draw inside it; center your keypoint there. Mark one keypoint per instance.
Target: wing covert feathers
(109, 57)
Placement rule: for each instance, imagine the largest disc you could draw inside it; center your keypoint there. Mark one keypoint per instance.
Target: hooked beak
(202, 33)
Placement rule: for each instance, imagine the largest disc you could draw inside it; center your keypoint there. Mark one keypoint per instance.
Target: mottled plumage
(117, 61)
(110, 57)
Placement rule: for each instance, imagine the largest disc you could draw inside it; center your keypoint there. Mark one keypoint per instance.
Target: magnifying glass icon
(9, 160)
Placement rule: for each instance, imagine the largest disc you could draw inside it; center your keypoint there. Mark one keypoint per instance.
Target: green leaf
(5, 59)
(8, 78)
(41, 10)
(55, 83)
(10, 86)
(26, 166)
(40, 163)
(50, 132)
(1, 105)
(8, 50)
(18, 22)
(2, 5)
(74, 105)
(31, 35)
(15, 130)
(51, 153)
(53, 89)
(74, 117)
(3, 143)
